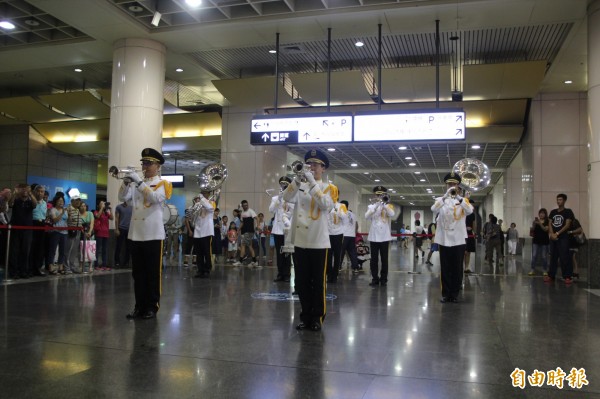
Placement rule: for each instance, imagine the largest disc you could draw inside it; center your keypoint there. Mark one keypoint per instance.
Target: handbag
(89, 251)
(581, 239)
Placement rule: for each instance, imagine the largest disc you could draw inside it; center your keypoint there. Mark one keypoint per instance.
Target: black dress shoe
(136, 314)
(454, 300)
(316, 326)
(302, 326)
(383, 283)
(201, 275)
(374, 283)
(278, 279)
(444, 299)
(149, 315)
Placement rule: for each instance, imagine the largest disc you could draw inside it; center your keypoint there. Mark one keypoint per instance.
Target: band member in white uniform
(310, 236)
(335, 222)
(281, 226)
(204, 230)
(451, 210)
(380, 234)
(146, 231)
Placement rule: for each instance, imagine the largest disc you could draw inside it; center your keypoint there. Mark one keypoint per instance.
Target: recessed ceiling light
(196, 162)
(412, 164)
(135, 8)
(402, 147)
(78, 70)
(7, 25)
(166, 154)
(568, 82)
(193, 3)
(377, 180)
(365, 173)
(32, 22)
(475, 146)
(354, 165)
(331, 149)
(179, 70)
(359, 44)
(273, 51)
(422, 180)
(417, 173)
(407, 158)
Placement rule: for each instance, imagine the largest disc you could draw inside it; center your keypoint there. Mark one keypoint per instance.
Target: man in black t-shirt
(249, 223)
(561, 219)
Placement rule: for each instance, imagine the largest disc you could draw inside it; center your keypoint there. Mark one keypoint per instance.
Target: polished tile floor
(233, 336)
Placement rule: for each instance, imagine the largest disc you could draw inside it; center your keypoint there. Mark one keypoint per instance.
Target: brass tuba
(474, 174)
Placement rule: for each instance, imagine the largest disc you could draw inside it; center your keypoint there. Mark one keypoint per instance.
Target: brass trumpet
(382, 198)
(120, 173)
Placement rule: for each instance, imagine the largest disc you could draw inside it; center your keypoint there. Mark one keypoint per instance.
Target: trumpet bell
(474, 174)
(119, 173)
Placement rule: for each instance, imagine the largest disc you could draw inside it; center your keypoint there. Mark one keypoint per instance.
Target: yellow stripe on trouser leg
(324, 287)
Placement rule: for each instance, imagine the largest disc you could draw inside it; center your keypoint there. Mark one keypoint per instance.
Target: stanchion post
(6, 266)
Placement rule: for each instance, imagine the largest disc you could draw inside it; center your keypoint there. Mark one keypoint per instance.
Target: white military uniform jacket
(349, 225)
(311, 207)
(283, 214)
(380, 216)
(335, 219)
(451, 229)
(147, 201)
(204, 225)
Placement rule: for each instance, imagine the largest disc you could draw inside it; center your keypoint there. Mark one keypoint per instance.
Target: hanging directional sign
(301, 129)
(421, 125)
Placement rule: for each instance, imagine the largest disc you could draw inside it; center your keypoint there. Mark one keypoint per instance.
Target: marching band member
(310, 236)
(380, 235)
(146, 231)
(335, 223)
(204, 230)
(451, 210)
(281, 228)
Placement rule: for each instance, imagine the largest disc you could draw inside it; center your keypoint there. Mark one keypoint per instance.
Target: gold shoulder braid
(168, 191)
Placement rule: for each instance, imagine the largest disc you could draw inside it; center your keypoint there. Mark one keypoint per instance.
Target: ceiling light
(359, 44)
(193, 3)
(412, 164)
(377, 180)
(78, 70)
(196, 162)
(32, 22)
(422, 180)
(331, 149)
(166, 154)
(568, 82)
(354, 165)
(407, 158)
(135, 8)
(402, 147)
(365, 173)
(179, 70)
(156, 19)
(7, 25)
(417, 173)
(475, 146)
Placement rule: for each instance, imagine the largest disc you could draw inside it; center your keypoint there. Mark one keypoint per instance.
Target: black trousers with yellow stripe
(146, 260)
(310, 266)
(203, 250)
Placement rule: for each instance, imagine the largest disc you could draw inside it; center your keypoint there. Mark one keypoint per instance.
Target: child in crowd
(232, 238)
(363, 253)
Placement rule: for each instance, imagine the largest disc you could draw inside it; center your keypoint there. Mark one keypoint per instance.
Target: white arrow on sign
(265, 137)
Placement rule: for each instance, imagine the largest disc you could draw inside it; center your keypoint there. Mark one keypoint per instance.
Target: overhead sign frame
(410, 125)
(313, 128)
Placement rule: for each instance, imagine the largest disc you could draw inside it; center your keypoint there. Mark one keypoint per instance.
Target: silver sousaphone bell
(474, 174)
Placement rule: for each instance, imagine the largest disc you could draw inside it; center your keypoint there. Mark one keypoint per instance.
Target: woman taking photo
(101, 218)
(57, 215)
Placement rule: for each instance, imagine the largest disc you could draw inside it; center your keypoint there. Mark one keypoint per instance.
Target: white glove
(310, 178)
(134, 177)
(287, 223)
(448, 192)
(467, 194)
